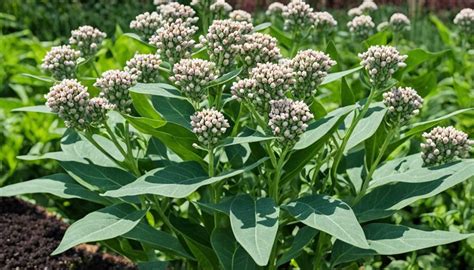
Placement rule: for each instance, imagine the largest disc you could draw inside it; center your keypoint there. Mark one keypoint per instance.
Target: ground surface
(28, 235)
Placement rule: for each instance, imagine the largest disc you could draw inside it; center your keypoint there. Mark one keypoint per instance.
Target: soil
(28, 235)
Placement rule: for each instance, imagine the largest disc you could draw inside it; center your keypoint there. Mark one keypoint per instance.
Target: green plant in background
(250, 151)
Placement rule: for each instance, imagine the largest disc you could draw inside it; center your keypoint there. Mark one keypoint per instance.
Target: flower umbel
(275, 9)
(361, 26)
(368, 6)
(173, 11)
(61, 61)
(240, 16)
(258, 48)
(193, 76)
(444, 144)
(97, 109)
(403, 103)
(298, 16)
(210, 126)
(399, 22)
(87, 39)
(381, 62)
(146, 24)
(220, 8)
(289, 119)
(324, 21)
(310, 68)
(145, 67)
(465, 20)
(114, 86)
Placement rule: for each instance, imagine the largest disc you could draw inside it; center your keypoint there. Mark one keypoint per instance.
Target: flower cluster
(465, 20)
(444, 144)
(298, 15)
(381, 62)
(240, 16)
(174, 11)
(383, 26)
(201, 4)
(275, 9)
(220, 8)
(146, 24)
(145, 67)
(209, 125)
(367, 6)
(114, 86)
(174, 40)
(87, 39)
(223, 35)
(361, 26)
(61, 61)
(353, 12)
(310, 68)
(161, 2)
(244, 90)
(258, 48)
(289, 119)
(193, 76)
(324, 21)
(70, 100)
(399, 22)
(403, 103)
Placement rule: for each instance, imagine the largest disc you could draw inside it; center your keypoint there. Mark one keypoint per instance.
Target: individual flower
(289, 119)
(220, 8)
(381, 62)
(114, 86)
(310, 68)
(444, 144)
(173, 11)
(361, 26)
(145, 67)
(465, 20)
(399, 22)
(220, 40)
(209, 125)
(97, 108)
(193, 76)
(240, 16)
(324, 21)
(257, 48)
(146, 24)
(298, 16)
(368, 6)
(69, 99)
(174, 40)
(61, 61)
(403, 103)
(353, 12)
(87, 39)
(275, 9)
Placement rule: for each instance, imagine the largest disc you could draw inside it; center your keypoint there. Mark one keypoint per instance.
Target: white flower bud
(209, 119)
(288, 118)
(145, 67)
(87, 40)
(114, 85)
(446, 144)
(61, 61)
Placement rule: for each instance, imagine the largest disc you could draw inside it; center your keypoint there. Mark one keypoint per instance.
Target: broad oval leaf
(157, 89)
(139, 39)
(301, 239)
(231, 255)
(384, 200)
(331, 77)
(37, 108)
(261, 27)
(389, 239)
(176, 181)
(255, 225)
(329, 215)
(247, 136)
(103, 224)
(225, 78)
(39, 78)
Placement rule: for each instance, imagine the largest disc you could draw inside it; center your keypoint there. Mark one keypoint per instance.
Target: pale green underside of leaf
(331, 77)
(38, 109)
(231, 255)
(388, 239)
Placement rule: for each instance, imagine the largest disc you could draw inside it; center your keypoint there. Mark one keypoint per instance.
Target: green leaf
(331, 77)
(347, 95)
(153, 265)
(174, 110)
(176, 181)
(388, 239)
(231, 255)
(443, 30)
(331, 50)
(301, 239)
(281, 36)
(418, 56)
(255, 225)
(138, 38)
(261, 27)
(225, 78)
(381, 38)
(332, 216)
(157, 89)
(38, 109)
(60, 184)
(386, 199)
(39, 78)
(246, 136)
(157, 239)
(103, 224)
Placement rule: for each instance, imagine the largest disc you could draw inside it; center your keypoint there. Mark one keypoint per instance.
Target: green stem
(161, 213)
(94, 67)
(340, 152)
(319, 252)
(129, 159)
(89, 137)
(275, 194)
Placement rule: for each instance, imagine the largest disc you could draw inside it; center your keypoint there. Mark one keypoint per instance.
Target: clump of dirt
(28, 235)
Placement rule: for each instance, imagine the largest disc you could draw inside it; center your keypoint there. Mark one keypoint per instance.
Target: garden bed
(29, 234)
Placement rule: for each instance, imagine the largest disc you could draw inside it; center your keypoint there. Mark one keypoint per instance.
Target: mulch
(28, 235)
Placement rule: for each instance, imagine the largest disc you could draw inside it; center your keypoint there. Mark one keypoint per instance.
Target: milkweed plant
(213, 152)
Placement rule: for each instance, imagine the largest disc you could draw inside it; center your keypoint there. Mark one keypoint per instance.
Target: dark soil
(28, 235)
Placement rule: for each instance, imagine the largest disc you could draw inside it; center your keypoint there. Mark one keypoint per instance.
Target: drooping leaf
(388, 239)
(106, 223)
(386, 199)
(231, 255)
(332, 216)
(418, 56)
(261, 27)
(60, 184)
(347, 95)
(157, 89)
(331, 77)
(176, 181)
(37, 108)
(138, 38)
(301, 239)
(225, 78)
(174, 110)
(39, 78)
(246, 136)
(443, 30)
(380, 38)
(255, 225)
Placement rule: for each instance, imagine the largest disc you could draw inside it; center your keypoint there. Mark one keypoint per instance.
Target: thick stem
(319, 252)
(130, 161)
